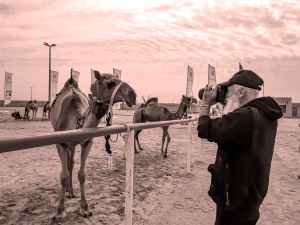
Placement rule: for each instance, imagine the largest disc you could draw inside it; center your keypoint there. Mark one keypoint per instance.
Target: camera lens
(221, 93)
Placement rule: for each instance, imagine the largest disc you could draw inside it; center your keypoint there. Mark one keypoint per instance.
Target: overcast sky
(152, 42)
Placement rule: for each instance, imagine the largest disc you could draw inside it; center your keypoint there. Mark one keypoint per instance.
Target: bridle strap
(112, 101)
(101, 102)
(114, 93)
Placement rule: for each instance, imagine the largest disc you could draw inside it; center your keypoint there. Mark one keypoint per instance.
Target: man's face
(231, 99)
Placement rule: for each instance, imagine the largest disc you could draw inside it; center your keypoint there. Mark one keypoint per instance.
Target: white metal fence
(9, 144)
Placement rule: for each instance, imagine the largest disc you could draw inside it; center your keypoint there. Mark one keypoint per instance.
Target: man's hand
(209, 96)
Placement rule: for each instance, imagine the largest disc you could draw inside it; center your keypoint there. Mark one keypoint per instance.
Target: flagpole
(49, 94)
(4, 94)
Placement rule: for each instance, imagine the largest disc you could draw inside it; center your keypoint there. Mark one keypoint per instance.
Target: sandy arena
(163, 192)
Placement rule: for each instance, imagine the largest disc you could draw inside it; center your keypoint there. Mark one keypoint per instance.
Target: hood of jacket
(268, 105)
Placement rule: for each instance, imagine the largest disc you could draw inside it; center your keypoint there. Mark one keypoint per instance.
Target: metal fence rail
(8, 144)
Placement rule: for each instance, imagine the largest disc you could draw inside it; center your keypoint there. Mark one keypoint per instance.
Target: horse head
(188, 100)
(105, 86)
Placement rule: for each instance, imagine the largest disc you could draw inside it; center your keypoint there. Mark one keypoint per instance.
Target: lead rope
(107, 145)
(109, 116)
(125, 137)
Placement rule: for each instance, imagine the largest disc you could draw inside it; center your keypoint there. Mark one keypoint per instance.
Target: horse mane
(71, 81)
(153, 99)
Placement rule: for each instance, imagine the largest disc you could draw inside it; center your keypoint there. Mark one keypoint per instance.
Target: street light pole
(49, 91)
(31, 93)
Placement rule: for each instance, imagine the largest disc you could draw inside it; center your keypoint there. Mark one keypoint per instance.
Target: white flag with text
(75, 75)
(117, 73)
(53, 85)
(7, 88)
(189, 84)
(211, 76)
(93, 79)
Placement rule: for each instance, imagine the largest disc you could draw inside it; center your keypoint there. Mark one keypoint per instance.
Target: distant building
(296, 110)
(285, 104)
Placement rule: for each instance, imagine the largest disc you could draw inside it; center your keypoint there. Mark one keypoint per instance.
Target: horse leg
(85, 150)
(135, 151)
(64, 177)
(137, 138)
(71, 154)
(168, 141)
(163, 140)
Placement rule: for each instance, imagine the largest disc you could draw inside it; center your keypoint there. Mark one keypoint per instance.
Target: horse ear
(97, 74)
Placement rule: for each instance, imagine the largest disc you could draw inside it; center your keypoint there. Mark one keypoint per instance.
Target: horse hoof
(85, 214)
(165, 156)
(71, 194)
(59, 216)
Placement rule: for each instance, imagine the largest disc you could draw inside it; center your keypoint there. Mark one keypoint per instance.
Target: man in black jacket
(240, 175)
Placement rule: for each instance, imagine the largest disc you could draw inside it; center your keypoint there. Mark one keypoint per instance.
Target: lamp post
(53, 45)
(31, 93)
(49, 93)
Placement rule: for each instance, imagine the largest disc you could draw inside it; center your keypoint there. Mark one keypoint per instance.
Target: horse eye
(110, 84)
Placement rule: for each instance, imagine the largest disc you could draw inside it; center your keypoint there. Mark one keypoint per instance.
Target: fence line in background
(9, 144)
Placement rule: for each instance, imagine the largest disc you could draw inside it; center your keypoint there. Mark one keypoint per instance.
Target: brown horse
(47, 108)
(31, 105)
(152, 112)
(73, 110)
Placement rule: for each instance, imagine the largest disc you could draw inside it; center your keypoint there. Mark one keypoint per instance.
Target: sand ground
(163, 192)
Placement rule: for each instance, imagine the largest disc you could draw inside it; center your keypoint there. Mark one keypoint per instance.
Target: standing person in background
(245, 136)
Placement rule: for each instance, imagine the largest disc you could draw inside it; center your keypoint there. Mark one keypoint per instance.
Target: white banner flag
(7, 88)
(93, 79)
(117, 73)
(189, 84)
(54, 81)
(75, 75)
(211, 76)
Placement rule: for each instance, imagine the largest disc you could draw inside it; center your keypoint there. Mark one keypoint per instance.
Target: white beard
(231, 104)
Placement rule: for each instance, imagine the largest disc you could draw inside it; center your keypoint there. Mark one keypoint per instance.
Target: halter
(100, 102)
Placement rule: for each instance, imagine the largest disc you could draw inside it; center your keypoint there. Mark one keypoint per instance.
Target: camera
(221, 93)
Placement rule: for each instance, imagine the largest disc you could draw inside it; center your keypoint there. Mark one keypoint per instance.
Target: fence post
(188, 161)
(199, 148)
(129, 179)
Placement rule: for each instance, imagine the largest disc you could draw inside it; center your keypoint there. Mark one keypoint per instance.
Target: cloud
(6, 9)
(163, 8)
(290, 39)
(152, 45)
(263, 40)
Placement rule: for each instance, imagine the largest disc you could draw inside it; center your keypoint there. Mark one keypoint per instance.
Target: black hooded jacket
(233, 134)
